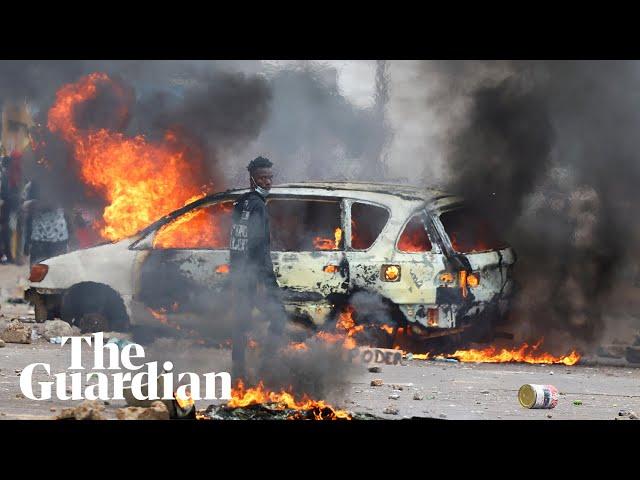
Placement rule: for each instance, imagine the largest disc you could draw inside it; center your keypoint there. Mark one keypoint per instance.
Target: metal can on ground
(538, 396)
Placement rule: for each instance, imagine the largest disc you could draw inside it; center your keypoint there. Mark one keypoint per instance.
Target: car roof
(433, 196)
(405, 191)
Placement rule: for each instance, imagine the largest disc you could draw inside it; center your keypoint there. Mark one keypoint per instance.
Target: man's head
(260, 174)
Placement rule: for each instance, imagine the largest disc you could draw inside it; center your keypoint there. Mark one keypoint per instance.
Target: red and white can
(538, 396)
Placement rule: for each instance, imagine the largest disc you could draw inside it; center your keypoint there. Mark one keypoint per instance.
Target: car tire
(40, 308)
(94, 307)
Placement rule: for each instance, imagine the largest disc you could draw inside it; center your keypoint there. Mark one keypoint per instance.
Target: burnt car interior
(305, 225)
(414, 237)
(367, 222)
(469, 232)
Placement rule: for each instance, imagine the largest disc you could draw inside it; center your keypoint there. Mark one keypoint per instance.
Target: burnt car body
(431, 262)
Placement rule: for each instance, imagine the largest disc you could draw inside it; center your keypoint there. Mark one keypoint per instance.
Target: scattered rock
(19, 395)
(106, 402)
(397, 387)
(52, 409)
(633, 416)
(418, 396)
(478, 403)
(550, 373)
(623, 413)
(390, 410)
(486, 392)
(56, 328)
(157, 411)
(18, 370)
(1, 343)
(375, 369)
(561, 393)
(87, 410)
(16, 332)
(549, 415)
(394, 396)
(442, 415)
(377, 382)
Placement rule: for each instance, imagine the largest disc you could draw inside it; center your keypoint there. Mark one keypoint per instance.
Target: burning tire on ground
(94, 307)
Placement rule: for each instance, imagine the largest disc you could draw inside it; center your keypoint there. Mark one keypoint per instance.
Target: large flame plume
(139, 180)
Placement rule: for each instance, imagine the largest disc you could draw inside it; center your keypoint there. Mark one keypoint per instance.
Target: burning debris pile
(258, 403)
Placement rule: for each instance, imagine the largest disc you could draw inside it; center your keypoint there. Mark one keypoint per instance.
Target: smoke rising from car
(547, 150)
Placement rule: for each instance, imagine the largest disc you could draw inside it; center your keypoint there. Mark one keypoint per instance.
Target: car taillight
(390, 273)
(38, 272)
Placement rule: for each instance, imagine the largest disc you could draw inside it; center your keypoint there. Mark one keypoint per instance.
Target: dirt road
(422, 388)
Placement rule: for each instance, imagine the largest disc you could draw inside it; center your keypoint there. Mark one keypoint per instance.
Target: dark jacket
(250, 242)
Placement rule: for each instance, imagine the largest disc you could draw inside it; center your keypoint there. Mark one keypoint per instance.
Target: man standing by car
(253, 281)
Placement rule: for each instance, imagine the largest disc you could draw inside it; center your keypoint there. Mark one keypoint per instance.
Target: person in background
(46, 225)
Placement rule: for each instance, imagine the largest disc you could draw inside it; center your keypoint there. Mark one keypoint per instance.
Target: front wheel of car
(93, 307)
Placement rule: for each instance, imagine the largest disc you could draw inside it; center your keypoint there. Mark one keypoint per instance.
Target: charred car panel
(178, 281)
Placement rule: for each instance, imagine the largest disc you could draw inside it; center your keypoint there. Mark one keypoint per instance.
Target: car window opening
(305, 225)
(367, 222)
(414, 237)
(469, 232)
(201, 228)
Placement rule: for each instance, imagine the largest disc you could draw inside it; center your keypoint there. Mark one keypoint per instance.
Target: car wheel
(40, 308)
(94, 308)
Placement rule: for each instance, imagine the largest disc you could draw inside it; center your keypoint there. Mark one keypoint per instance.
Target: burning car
(422, 253)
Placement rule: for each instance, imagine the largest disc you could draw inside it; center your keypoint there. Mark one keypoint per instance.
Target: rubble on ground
(157, 411)
(87, 410)
(16, 332)
(55, 328)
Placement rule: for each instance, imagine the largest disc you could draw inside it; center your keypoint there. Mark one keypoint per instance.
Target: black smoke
(549, 153)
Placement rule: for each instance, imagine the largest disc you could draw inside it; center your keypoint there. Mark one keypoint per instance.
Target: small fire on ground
(261, 403)
(524, 354)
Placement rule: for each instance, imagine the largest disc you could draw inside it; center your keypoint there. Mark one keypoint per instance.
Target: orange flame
(244, 397)
(140, 181)
(184, 402)
(525, 354)
(320, 243)
(224, 268)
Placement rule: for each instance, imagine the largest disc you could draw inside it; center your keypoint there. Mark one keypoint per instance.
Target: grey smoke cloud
(548, 151)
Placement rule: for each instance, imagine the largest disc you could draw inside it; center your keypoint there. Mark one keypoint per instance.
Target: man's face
(263, 177)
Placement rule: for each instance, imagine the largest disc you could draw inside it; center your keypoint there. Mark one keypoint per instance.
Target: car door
(182, 268)
(308, 248)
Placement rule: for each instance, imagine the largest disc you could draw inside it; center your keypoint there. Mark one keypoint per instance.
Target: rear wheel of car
(93, 307)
